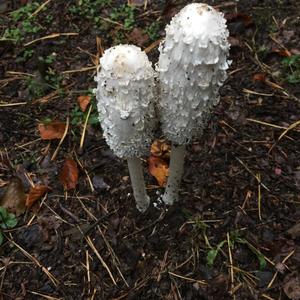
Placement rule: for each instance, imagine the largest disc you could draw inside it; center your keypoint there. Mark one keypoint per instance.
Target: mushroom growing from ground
(125, 95)
(192, 66)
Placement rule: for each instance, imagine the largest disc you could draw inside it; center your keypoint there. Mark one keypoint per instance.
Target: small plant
(124, 14)
(235, 239)
(292, 66)
(153, 30)
(79, 117)
(24, 12)
(36, 87)
(24, 23)
(51, 80)
(88, 8)
(7, 221)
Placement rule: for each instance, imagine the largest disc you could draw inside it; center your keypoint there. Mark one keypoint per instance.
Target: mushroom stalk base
(138, 183)
(175, 170)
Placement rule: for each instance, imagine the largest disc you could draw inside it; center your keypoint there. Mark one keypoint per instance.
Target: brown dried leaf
(259, 77)
(239, 17)
(14, 197)
(159, 169)
(69, 174)
(53, 130)
(36, 193)
(138, 37)
(160, 148)
(83, 102)
(281, 52)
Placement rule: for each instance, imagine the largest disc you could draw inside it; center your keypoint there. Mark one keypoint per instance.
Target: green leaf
(11, 221)
(7, 220)
(3, 213)
(258, 254)
(212, 254)
(1, 237)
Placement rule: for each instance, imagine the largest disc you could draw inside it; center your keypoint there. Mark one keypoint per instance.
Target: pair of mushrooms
(191, 68)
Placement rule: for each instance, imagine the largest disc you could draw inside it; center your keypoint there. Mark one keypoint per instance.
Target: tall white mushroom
(125, 94)
(192, 67)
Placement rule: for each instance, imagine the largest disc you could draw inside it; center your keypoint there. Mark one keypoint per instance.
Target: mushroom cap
(192, 66)
(125, 99)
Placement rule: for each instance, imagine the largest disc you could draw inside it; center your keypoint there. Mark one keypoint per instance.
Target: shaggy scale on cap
(125, 96)
(192, 67)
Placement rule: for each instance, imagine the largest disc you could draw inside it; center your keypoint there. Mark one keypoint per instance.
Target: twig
(51, 36)
(231, 262)
(292, 126)
(12, 104)
(39, 8)
(34, 260)
(85, 127)
(187, 278)
(246, 167)
(85, 69)
(90, 243)
(257, 93)
(43, 295)
(259, 195)
(276, 273)
(61, 140)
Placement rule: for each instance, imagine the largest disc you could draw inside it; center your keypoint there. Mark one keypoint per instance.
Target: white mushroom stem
(176, 171)
(138, 183)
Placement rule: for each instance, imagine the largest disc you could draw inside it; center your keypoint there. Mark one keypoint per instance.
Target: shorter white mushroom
(192, 67)
(125, 94)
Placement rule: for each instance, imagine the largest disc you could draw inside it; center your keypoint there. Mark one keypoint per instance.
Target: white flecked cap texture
(125, 99)
(192, 66)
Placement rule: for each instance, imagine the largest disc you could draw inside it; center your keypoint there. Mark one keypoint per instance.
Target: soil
(239, 199)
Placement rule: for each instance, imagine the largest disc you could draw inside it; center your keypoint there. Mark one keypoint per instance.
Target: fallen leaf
(291, 286)
(69, 174)
(138, 37)
(170, 9)
(36, 193)
(281, 52)
(259, 77)
(160, 148)
(234, 41)
(238, 16)
(83, 102)
(14, 197)
(53, 130)
(158, 168)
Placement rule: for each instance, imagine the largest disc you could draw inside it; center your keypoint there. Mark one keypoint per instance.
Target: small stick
(84, 127)
(90, 243)
(259, 196)
(231, 262)
(51, 36)
(61, 140)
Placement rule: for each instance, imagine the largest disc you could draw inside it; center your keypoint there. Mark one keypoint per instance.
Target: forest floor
(235, 234)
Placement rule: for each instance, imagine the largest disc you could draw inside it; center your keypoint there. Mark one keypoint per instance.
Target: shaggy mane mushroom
(125, 96)
(192, 67)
